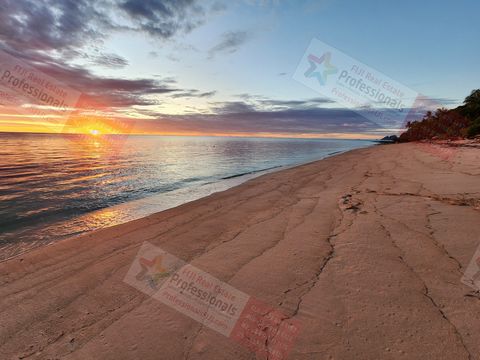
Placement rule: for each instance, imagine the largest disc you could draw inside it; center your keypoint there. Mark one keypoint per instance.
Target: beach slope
(365, 249)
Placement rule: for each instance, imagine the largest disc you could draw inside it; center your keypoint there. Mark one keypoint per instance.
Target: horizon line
(272, 136)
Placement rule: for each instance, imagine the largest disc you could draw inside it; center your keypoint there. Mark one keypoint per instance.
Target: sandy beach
(365, 249)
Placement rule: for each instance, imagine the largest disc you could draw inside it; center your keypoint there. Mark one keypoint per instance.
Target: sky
(209, 67)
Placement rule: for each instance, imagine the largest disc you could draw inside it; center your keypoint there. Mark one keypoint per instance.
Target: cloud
(48, 25)
(446, 101)
(163, 18)
(249, 121)
(207, 94)
(262, 102)
(118, 92)
(230, 42)
(296, 103)
(233, 107)
(69, 25)
(49, 34)
(109, 60)
(192, 93)
(239, 117)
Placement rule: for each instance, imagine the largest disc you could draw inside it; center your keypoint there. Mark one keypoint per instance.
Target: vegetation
(463, 121)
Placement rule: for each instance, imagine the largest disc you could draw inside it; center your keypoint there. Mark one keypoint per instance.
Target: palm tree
(471, 107)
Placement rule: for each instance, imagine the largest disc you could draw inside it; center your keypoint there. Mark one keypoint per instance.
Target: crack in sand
(283, 209)
(437, 244)
(444, 316)
(314, 280)
(426, 290)
(288, 207)
(471, 202)
(441, 247)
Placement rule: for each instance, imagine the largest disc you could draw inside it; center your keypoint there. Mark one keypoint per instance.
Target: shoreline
(140, 208)
(365, 250)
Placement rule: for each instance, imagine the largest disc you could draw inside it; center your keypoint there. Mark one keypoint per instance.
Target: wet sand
(365, 249)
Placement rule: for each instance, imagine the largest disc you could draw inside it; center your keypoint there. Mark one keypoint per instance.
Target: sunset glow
(226, 71)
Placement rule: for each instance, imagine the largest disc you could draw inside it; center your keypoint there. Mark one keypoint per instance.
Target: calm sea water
(54, 186)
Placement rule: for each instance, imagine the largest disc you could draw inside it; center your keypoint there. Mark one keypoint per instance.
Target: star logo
(152, 271)
(315, 62)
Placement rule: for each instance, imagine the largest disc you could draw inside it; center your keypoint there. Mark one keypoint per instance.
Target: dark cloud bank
(49, 33)
(45, 33)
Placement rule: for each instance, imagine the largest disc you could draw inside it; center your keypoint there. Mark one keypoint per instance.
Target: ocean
(57, 186)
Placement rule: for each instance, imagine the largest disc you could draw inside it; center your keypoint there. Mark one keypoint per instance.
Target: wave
(249, 172)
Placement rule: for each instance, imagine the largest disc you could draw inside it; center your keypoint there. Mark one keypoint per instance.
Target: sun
(94, 132)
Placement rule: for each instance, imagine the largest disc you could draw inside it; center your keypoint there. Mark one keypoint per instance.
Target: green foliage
(447, 124)
(474, 128)
(443, 124)
(471, 107)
